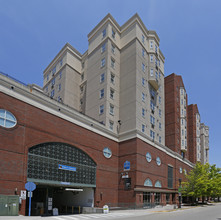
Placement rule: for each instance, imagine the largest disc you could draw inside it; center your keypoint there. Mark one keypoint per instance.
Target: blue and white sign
(30, 186)
(65, 167)
(127, 165)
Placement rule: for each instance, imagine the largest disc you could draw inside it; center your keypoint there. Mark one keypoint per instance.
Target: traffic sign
(23, 194)
(30, 186)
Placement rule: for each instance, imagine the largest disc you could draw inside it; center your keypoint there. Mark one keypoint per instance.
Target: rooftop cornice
(65, 48)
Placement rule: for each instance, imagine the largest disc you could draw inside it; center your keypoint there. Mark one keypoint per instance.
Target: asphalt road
(209, 212)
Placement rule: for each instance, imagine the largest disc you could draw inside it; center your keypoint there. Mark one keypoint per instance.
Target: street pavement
(206, 212)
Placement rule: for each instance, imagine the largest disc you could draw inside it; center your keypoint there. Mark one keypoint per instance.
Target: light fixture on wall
(77, 190)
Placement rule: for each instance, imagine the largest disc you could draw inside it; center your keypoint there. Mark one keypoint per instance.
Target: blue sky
(33, 31)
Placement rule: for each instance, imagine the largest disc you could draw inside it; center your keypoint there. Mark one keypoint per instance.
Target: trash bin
(55, 211)
(105, 209)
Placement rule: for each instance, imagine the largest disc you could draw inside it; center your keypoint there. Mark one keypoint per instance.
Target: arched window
(148, 182)
(158, 184)
(60, 163)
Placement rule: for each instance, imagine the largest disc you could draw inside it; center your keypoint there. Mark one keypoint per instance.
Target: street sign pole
(30, 186)
(29, 209)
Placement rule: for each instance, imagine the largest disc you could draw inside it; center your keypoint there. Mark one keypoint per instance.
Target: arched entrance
(65, 178)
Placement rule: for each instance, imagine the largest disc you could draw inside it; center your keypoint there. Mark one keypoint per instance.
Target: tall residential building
(204, 141)
(194, 133)
(119, 80)
(176, 115)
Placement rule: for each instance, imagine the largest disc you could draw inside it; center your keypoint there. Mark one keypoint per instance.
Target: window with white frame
(143, 112)
(102, 77)
(53, 81)
(101, 93)
(111, 93)
(103, 62)
(152, 120)
(158, 161)
(52, 93)
(143, 81)
(152, 93)
(156, 48)
(151, 58)
(159, 99)
(112, 78)
(151, 72)
(160, 113)
(151, 44)
(112, 63)
(143, 97)
(61, 62)
(143, 128)
(160, 126)
(143, 67)
(152, 106)
(113, 33)
(152, 134)
(160, 140)
(59, 87)
(111, 125)
(156, 75)
(54, 70)
(111, 109)
(143, 39)
(143, 52)
(60, 74)
(113, 48)
(7, 119)
(101, 109)
(103, 47)
(104, 32)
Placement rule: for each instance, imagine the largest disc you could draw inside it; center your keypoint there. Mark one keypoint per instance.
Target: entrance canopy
(60, 164)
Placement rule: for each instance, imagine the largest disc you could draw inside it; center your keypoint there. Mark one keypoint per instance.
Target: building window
(158, 161)
(159, 75)
(113, 34)
(143, 128)
(61, 62)
(46, 89)
(59, 87)
(143, 52)
(101, 109)
(181, 170)
(53, 81)
(148, 182)
(112, 78)
(7, 119)
(111, 125)
(52, 93)
(111, 109)
(143, 39)
(152, 106)
(54, 70)
(107, 152)
(113, 48)
(160, 113)
(47, 77)
(103, 62)
(143, 81)
(151, 58)
(102, 77)
(82, 88)
(151, 44)
(152, 134)
(170, 177)
(151, 72)
(60, 75)
(152, 93)
(112, 63)
(82, 65)
(156, 48)
(104, 32)
(143, 67)
(103, 47)
(111, 93)
(156, 75)
(158, 184)
(159, 99)
(143, 97)
(160, 126)
(101, 93)
(143, 112)
(152, 120)
(160, 139)
(148, 157)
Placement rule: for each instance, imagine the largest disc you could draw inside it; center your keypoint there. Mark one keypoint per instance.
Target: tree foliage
(203, 181)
